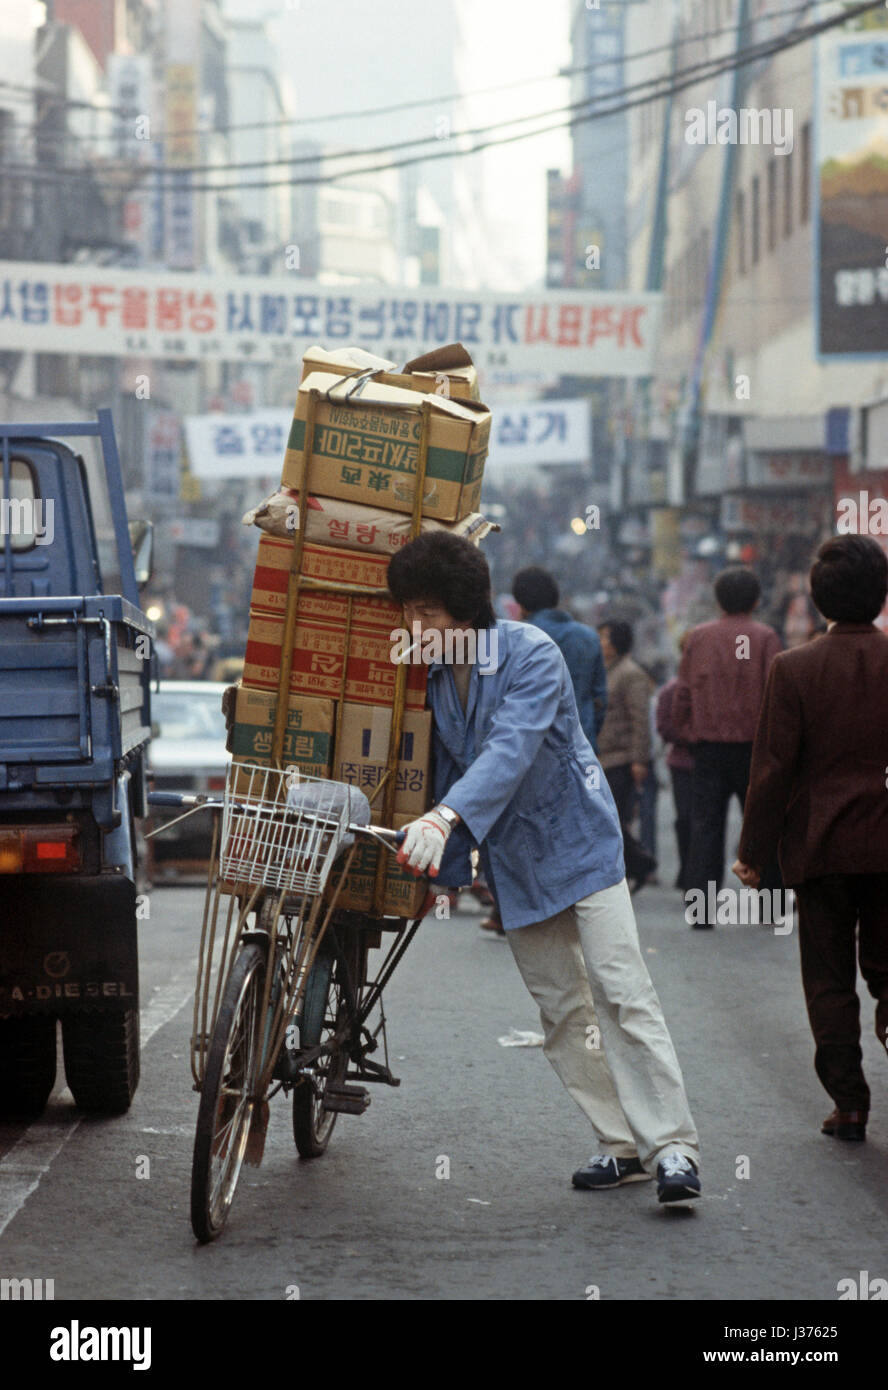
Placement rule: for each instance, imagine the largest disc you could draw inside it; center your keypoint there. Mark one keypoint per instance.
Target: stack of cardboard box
(361, 486)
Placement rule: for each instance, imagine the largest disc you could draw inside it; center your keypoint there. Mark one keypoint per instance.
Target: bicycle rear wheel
(227, 1100)
(325, 1013)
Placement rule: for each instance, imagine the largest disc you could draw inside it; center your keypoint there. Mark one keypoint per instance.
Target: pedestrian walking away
(516, 777)
(715, 707)
(625, 740)
(817, 790)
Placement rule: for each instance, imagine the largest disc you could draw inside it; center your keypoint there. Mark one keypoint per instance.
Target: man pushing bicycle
(516, 777)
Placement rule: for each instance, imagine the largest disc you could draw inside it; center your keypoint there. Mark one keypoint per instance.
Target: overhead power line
(418, 102)
(693, 77)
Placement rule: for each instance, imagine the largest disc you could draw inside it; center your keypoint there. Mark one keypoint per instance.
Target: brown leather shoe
(846, 1124)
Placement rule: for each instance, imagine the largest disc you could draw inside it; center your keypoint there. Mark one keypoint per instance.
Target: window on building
(740, 231)
(788, 161)
(805, 176)
(772, 203)
(755, 219)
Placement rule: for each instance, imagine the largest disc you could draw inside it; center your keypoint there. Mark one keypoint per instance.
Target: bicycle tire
(222, 1133)
(322, 1008)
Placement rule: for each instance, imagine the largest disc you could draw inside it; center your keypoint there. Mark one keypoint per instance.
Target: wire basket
(280, 829)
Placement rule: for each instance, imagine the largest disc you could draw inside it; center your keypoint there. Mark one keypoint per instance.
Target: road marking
(33, 1154)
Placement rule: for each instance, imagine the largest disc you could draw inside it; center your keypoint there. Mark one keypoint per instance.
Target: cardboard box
(324, 563)
(404, 894)
(447, 371)
(362, 756)
(318, 660)
(330, 521)
(366, 449)
(308, 737)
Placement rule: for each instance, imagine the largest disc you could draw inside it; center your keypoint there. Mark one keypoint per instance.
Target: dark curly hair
(849, 579)
(442, 568)
(737, 590)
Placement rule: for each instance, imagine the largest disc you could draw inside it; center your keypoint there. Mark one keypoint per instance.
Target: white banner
(134, 313)
(238, 446)
(544, 432)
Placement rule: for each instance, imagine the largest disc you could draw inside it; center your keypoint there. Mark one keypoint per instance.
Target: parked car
(187, 754)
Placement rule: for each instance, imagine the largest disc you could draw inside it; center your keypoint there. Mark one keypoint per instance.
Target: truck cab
(75, 721)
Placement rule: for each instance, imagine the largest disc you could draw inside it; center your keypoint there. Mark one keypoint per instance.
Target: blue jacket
(581, 648)
(518, 769)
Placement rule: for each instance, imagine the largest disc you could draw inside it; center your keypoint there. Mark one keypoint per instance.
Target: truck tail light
(216, 784)
(40, 849)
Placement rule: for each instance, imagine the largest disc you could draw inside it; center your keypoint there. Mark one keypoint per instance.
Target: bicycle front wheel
(227, 1100)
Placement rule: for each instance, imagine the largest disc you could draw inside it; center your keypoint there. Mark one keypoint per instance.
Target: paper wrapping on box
(447, 371)
(331, 521)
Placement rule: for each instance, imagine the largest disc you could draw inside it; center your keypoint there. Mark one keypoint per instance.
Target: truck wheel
(27, 1064)
(102, 1060)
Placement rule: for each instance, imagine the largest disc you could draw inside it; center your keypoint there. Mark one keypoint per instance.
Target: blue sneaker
(603, 1170)
(677, 1179)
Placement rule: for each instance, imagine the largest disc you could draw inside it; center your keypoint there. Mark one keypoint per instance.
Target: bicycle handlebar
(184, 801)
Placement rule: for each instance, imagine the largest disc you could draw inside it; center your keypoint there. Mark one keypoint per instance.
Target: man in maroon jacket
(818, 787)
(715, 707)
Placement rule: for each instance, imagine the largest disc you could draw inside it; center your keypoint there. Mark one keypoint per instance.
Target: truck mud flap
(67, 946)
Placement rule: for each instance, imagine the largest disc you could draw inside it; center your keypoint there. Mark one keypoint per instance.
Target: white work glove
(424, 842)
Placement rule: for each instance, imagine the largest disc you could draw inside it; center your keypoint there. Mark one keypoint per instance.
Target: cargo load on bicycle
(331, 751)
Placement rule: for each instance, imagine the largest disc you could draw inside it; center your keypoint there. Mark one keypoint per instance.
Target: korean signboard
(852, 182)
(544, 432)
(238, 446)
(97, 311)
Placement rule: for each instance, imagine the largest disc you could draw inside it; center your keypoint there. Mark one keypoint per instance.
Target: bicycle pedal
(346, 1100)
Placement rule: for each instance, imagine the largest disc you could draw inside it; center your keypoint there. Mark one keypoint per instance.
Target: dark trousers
(721, 770)
(830, 908)
(682, 789)
(625, 793)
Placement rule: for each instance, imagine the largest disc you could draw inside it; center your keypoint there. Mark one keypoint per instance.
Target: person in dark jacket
(715, 707)
(536, 593)
(817, 794)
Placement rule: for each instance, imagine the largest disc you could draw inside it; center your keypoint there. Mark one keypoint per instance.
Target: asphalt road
(371, 1220)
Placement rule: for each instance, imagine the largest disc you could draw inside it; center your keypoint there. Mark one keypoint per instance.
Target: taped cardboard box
(319, 657)
(448, 371)
(366, 448)
(330, 521)
(327, 565)
(362, 756)
(308, 734)
(404, 894)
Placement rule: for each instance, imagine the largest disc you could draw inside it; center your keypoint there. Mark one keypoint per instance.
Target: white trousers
(605, 1034)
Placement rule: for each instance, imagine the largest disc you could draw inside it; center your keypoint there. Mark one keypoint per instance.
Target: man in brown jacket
(715, 707)
(624, 740)
(818, 787)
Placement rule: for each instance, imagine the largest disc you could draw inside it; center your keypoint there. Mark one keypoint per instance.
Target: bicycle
(284, 1002)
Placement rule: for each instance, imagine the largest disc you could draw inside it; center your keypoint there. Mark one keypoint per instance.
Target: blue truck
(75, 722)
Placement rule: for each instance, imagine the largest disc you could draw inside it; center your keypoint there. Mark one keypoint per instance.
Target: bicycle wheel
(227, 1102)
(325, 1011)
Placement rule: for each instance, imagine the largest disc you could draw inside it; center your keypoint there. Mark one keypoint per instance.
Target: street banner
(134, 313)
(851, 180)
(543, 432)
(237, 446)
